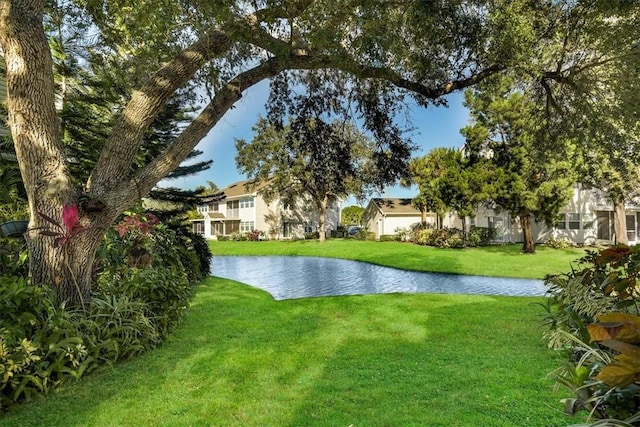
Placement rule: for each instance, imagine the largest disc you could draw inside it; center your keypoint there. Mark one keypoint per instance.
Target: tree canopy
(352, 215)
(314, 160)
(531, 167)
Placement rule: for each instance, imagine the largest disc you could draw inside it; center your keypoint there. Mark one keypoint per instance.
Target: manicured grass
(243, 359)
(501, 261)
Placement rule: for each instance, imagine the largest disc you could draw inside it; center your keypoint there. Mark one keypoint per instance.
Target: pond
(288, 277)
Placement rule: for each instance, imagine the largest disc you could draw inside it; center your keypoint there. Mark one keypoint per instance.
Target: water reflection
(287, 277)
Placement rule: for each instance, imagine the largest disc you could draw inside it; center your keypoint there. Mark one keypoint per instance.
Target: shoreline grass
(499, 261)
(243, 359)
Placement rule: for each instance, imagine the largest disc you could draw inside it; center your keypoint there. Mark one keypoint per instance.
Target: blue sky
(434, 127)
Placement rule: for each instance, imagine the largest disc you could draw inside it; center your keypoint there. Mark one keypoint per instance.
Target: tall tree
(352, 215)
(428, 173)
(311, 159)
(449, 180)
(427, 48)
(532, 170)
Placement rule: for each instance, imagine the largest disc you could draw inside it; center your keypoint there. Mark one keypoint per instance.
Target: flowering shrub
(254, 235)
(137, 225)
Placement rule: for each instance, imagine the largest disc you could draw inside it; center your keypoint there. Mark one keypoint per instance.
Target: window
(308, 227)
(202, 208)
(496, 223)
(232, 209)
(574, 221)
(198, 227)
(246, 202)
(631, 228)
(568, 221)
(561, 222)
(213, 207)
(287, 229)
(472, 221)
(247, 226)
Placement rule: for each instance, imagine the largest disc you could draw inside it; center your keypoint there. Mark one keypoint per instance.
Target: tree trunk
(68, 269)
(620, 221)
(423, 213)
(528, 245)
(322, 213)
(464, 230)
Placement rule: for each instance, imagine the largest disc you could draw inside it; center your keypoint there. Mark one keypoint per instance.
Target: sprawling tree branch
(125, 139)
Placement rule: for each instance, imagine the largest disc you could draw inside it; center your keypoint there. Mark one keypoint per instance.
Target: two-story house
(243, 210)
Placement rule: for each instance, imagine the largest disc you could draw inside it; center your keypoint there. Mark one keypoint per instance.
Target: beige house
(387, 216)
(243, 210)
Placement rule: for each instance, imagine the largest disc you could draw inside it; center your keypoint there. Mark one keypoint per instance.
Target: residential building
(243, 210)
(387, 216)
(587, 219)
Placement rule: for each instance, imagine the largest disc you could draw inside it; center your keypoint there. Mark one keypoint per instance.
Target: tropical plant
(163, 291)
(599, 305)
(40, 346)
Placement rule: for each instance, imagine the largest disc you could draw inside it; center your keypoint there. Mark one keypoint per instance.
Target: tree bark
(322, 213)
(69, 268)
(528, 245)
(423, 213)
(464, 230)
(620, 221)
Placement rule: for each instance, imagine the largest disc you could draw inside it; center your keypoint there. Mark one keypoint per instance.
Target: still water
(286, 277)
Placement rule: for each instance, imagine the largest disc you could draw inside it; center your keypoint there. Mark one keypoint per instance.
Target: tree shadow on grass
(242, 359)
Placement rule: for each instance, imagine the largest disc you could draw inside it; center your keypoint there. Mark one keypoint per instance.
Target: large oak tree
(428, 48)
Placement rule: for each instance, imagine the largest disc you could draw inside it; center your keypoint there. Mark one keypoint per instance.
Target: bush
(13, 257)
(402, 234)
(254, 236)
(164, 291)
(364, 234)
(389, 238)
(40, 346)
(132, 309)
(440, 237)
(172, 245)
(422, 236)
(222, 238)
(203, 253)
(559, 243)
(480, 236)
(604, 288)
(312, 235)
(117, 327)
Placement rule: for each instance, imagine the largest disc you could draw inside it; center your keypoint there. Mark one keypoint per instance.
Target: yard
(242, 359)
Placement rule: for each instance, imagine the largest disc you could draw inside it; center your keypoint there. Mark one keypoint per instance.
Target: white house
(586, 219)
(243, 210)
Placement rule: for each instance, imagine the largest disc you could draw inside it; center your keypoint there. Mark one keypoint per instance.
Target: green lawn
(242, 359)
(502, 261)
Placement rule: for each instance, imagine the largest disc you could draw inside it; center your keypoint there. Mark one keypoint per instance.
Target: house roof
(395, 206)
(240, 188)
